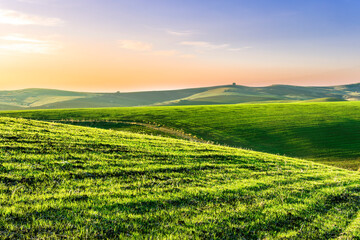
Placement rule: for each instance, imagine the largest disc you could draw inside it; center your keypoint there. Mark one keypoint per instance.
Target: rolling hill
(31, 98)
(228, 94)
(47, 98)
(324, 132)
(59, 181)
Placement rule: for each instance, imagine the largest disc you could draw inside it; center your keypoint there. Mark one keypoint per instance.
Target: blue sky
(253, 42)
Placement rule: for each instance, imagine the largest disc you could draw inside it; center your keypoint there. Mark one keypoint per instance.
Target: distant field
(59, 181)
(324, 132)
(35, 98)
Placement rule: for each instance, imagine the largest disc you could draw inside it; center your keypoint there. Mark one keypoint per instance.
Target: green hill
(47, 98)
(328, 99)
(37, 97)
(60, 181)
(228, 94)
(9, 107)
(325, 132)
(276, 93)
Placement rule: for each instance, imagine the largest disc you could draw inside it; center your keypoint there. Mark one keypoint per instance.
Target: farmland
(37, 98)
(324, 132)
(62, 181)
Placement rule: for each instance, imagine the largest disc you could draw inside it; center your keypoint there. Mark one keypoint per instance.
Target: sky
(123, 45)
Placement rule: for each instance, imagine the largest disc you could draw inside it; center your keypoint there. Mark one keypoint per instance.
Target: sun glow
(17, 18)
(67, 44)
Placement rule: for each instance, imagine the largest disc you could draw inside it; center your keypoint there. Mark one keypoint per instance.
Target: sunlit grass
(61, 181)
(324, 132)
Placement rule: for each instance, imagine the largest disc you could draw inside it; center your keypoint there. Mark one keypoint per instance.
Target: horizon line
(174, 89)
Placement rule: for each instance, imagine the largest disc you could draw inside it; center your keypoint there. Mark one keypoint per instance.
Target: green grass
(36, 97)
(325, 132)
(60, 181)
(9, 107)
(226, 94)
(121, 126)
(329, 99)
(49, 98)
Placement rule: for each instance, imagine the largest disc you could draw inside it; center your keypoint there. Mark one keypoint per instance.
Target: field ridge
(166, 130)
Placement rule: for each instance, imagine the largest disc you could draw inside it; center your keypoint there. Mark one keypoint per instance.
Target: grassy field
(50, 98)
(60, 181)
(35, 98)
(325, 132)
(123, 126)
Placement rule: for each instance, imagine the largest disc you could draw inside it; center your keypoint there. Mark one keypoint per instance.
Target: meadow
(60, 181)
(323, 132)
(37, 98)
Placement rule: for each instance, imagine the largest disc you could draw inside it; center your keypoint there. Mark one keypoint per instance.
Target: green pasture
(60, 181)
(323, 132)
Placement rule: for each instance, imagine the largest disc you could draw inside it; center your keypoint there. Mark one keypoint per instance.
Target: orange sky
(127, 72)
(50, 44)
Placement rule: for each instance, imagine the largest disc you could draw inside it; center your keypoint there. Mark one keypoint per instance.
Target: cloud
(18, 18)
(238, 49)
(20, 38)
(145, 47)
(36, 1)
(179, 33)
(21, 44)
(166, 53)
(204, 44)
(210, 46)
(135, 45)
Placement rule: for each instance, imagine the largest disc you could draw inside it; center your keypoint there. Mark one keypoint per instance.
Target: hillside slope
(325, 132)
(227, 94)
(4, 107)
(35, 97)
(275, 93)
(61, 181)
(48, 98)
